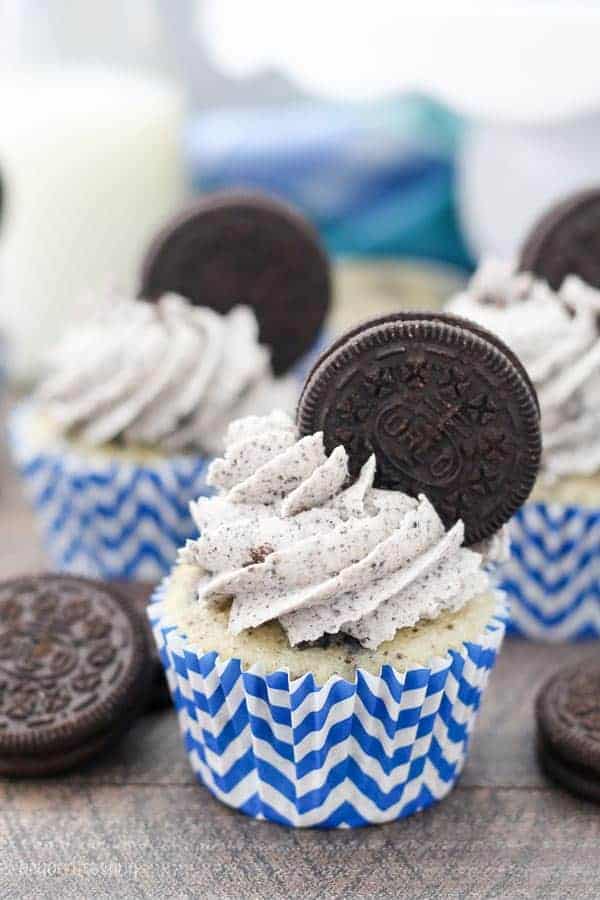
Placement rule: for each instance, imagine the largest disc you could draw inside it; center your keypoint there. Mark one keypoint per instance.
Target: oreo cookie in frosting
(74, 672)
(566, 241)
(412, 316)
(568, 718)
(445, 407)
(246, 248)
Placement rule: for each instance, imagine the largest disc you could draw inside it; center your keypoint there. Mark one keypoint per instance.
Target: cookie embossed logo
(73, 671)
(414, 442)
(56, 653)
(432, 425)
(445, 408)
(36, 654)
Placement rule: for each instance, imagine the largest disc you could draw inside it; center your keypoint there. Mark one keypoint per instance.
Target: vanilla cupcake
(553, 574)
(328, 637)
(116, 441)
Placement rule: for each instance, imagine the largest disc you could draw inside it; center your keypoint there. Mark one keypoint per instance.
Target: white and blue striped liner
(341, 755)
(553, 575)
(108, 517)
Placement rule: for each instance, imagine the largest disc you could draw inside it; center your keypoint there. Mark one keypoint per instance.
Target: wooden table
(137, 825)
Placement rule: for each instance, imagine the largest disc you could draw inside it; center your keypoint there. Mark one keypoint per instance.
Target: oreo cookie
(445, 407)
(568, 719)
(246, 248)
(413, 316)
(566, 241)
(74, 672)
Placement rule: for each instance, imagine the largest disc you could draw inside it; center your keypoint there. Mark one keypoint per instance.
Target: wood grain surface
(136, 825)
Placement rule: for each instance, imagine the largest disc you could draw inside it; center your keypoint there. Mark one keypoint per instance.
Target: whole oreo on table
(74, 672)
(246, 248)
(566, 241)
(568, 719)
(445, 407)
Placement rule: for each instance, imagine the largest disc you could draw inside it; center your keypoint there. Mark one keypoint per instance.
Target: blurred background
(415, 143)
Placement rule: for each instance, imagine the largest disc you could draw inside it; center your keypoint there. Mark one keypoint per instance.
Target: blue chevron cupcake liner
(340, 755)
(107, 516)
(553, 575)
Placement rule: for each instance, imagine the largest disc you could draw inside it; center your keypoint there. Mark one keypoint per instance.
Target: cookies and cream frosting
(168, 374)
(287, 537)
(556, 337)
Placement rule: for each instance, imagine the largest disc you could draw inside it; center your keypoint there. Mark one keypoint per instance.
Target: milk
(90, 166)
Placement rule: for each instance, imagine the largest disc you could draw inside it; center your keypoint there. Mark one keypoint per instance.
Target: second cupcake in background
(549, 315)
(116, 441)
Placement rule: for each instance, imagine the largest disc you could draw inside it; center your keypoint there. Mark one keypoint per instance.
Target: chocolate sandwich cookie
(566, 241)
(138, 593)
(74, 672)
(246, 248)
(445, 407)
(415, 316)
(568, 719)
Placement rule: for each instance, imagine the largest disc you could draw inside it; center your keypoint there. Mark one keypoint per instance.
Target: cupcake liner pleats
(343, 754)
(107, 516)
(553, 575)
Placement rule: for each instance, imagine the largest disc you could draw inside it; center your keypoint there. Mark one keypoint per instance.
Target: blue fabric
(377, 180)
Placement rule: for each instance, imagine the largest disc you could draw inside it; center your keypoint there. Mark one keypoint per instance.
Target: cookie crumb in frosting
(168, 375)
(332, 562)
(562, 358)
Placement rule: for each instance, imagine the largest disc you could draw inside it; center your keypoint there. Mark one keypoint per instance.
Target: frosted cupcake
(553, 575)
(116, 441)
(328, 637)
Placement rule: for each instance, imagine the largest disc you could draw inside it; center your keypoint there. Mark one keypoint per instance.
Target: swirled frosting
(287, 538)
(169, 375)
(556, 337)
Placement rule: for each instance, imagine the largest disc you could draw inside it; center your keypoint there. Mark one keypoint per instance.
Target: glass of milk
(90, 166)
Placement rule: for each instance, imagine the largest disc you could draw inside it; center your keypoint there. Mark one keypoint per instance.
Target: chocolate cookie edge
(115, 711)
(340, 356)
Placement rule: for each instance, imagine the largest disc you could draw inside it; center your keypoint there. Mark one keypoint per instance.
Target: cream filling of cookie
(556, 337)
(286, 538)
(168, 374)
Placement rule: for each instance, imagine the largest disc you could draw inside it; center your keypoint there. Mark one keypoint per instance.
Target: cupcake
(328, 637)
(116, 440)
(553, 573)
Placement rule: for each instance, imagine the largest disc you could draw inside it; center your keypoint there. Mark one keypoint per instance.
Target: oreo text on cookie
(445, 411)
